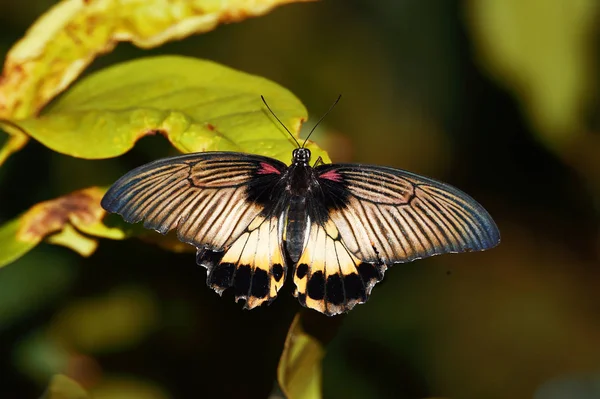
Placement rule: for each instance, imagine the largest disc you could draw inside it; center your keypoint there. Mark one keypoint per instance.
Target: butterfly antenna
(279, 120)
(323, 117)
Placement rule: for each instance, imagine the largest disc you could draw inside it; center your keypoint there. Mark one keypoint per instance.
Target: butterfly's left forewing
(225, 204)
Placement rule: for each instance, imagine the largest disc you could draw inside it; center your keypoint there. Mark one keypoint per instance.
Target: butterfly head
(301, 156)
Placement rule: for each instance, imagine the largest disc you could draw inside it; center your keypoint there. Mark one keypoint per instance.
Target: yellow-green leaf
(299, 370)
(71, 238)
(11, 247)
(62, 387)
(16, 140)
(198, 105)
(543, 51)
(62, 220)
(67, 38)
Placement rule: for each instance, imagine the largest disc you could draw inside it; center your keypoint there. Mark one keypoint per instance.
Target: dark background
(426, 87)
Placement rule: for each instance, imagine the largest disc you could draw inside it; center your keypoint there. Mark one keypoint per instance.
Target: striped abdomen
(296, 222)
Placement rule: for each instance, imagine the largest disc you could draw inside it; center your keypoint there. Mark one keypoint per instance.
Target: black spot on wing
(316, 286)
(241, 282)
(335, 289)
(208, 258)
(355, 288)
(301, 270)
(277, 271)
(369, 271)
(260, 284)
(222, 275)
(302, 299)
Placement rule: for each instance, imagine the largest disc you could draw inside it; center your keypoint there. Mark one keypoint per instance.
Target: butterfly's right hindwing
(328, 277)
(222, 203)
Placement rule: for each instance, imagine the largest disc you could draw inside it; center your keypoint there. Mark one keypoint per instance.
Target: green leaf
(15, 141)
(299, 370)
(62, 387)
(67, 38)
(11, 246)
(198, 105)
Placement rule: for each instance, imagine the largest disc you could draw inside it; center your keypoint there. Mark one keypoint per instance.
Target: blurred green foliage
(471, 92)
(62, 387)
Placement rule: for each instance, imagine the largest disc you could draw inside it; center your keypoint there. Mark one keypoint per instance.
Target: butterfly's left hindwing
(225, 204)
(253, 265)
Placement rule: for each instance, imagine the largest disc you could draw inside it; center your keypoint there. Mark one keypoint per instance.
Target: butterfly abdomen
(296, 222)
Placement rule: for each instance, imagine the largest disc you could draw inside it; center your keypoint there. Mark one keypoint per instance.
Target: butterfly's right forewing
(395, 216)
(222, 203)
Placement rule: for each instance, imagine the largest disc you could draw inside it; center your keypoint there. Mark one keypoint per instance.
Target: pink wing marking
(332, 175)
(266, 169)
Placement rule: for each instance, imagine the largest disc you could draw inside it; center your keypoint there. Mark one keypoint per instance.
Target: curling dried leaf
(75, 221)
(198, 105)
(62, 220)
(299, 370)
(69, 237)
(62, 387)
(67, 38)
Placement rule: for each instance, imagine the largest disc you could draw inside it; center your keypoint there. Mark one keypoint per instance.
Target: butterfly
(337, 227)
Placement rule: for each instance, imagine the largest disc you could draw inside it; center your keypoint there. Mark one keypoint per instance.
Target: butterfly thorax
(300, 176)
(299, 179)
